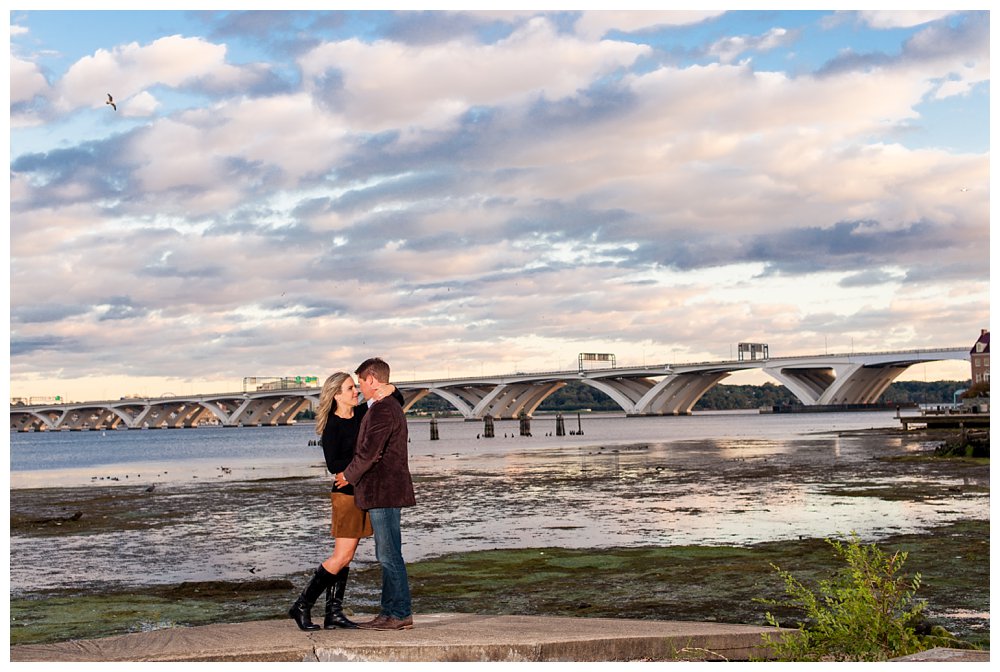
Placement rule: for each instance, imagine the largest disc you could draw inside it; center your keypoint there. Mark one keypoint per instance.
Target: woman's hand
(384, 391)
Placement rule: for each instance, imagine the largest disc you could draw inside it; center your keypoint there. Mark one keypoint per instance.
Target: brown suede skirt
(347, 520)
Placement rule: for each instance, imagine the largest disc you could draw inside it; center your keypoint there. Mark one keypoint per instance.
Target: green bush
(867, 612)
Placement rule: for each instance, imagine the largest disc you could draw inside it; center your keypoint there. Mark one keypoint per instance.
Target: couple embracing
(366, 451)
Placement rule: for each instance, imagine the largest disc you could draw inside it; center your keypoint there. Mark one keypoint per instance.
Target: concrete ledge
(435, 637)
(943, 655)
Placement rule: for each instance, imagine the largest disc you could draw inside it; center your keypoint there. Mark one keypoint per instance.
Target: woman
(338, 420)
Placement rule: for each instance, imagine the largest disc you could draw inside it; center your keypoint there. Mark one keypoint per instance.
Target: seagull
(111, 101)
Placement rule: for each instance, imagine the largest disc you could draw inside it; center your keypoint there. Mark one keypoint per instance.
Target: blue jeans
(389, 553)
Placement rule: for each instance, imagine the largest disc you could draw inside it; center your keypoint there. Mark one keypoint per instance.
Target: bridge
(662, 389)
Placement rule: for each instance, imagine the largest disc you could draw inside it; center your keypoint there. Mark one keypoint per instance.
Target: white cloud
(142, 104)
(894, 18)
(130, 69)
(953, 56)
(393, 85)
(596, 24)
(280, 138)
(730, 48)
(26, 80)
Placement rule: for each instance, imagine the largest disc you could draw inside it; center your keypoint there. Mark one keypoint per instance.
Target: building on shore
(980, 358)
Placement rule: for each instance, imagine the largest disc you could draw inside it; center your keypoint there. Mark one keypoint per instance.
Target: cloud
(29, 89)
(319, 308)
(76, 174)
(952, 57)
(26, 80)
(430, 87)
(848, 245)
(870, 278)
(499, 190)
(236, 146)
(121, 308)
(142, 104)
(887, 19)
(730, 48)
(49, 312)
(171, 61)
(24, 346)
(429, 27)
(165, 268)
(261, 26)
(595, 25)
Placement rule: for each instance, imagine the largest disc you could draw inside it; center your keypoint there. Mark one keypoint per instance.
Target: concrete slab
(435, 637)
(944, 655)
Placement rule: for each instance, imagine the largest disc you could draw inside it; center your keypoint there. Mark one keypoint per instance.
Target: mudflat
(685, 533)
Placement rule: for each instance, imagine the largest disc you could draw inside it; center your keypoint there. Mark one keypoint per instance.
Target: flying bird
(111, 101)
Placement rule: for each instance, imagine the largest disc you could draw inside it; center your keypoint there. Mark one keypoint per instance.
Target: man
(382, 486)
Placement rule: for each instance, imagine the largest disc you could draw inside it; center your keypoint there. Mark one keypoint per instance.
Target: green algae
(704, 583)
(90, 616)
(64, 617)
(902, 492)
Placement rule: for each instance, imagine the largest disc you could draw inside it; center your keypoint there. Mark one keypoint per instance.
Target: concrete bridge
(663, 389)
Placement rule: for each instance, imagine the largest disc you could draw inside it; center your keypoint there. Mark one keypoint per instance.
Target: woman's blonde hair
(327, 404)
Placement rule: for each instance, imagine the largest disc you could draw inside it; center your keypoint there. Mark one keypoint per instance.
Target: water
(711, 478)
(44, 459)
(48, 459)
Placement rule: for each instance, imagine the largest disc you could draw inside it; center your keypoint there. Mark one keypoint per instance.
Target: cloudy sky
(287, 193)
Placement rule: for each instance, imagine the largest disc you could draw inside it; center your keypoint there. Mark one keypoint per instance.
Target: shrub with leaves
(867, 612)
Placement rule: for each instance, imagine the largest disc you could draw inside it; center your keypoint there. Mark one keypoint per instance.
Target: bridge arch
(849, 379)
(678, 393)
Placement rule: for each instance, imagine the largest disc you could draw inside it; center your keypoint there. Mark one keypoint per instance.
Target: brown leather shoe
(390, 623)
(371, 625)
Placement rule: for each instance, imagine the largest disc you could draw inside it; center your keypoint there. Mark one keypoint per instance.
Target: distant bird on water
(111, 101)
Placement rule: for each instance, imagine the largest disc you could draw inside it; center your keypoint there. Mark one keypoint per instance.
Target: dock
(945, 420)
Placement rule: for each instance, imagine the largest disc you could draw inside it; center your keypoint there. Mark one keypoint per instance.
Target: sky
(283, 193)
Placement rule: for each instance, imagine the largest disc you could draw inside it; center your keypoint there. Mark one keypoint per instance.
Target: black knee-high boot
(335, 603)
(300, 609)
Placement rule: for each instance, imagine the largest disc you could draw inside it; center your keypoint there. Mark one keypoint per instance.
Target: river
(221, 502)
(43, 459)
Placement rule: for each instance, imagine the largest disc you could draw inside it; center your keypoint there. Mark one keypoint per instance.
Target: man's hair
(374, 367)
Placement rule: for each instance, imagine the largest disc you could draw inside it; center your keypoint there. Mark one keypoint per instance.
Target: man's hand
(339, 480)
